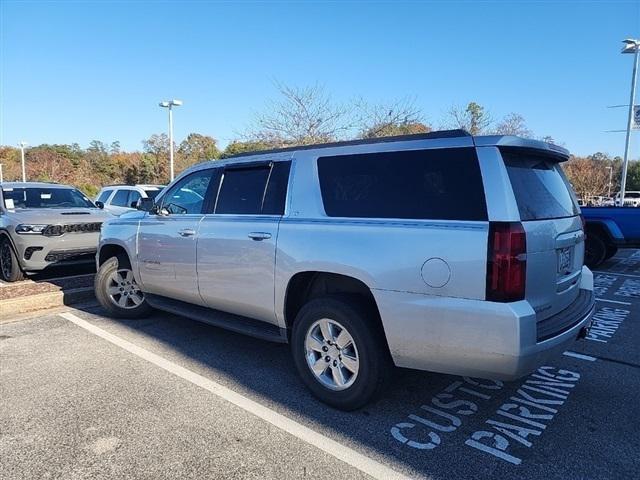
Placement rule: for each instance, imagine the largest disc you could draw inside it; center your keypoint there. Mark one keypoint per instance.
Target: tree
(633, 175)
(239, 146)
(587, 176)
(401, 117)
(301, 116)
(473, 118)
(513, 124)
(196, 148)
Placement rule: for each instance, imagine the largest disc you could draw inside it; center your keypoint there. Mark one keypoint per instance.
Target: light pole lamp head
(164, 104)
(23, 144)
(175, 103)
(631, 45)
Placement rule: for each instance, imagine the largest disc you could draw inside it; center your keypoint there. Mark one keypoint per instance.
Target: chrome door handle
(259, 236)
(187, 232)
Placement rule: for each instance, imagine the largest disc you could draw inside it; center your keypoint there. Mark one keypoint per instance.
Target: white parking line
(326, 444)
(612, 301)
(580, 356)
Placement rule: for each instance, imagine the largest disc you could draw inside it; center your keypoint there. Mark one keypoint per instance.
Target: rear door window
(120, 198)
(438, 184)
(542, 191)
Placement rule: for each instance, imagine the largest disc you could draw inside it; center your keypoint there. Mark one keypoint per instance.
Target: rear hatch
(554, 236)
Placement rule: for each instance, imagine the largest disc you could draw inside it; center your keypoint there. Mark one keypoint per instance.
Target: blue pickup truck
(609, 228)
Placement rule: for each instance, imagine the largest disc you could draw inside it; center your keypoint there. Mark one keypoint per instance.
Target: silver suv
(363, 255)
(45, 224)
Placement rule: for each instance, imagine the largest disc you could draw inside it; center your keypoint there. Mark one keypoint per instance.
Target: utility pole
(631, 46)
(24, 170)
(1, 176)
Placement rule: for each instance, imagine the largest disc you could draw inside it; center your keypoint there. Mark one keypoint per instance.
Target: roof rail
(364, 141)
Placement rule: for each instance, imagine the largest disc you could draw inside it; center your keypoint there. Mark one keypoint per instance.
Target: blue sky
(78, 70)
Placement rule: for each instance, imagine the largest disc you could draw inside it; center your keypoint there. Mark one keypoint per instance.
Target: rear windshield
(540, 187)
(42, 197)
(152, 193)
(437, 184)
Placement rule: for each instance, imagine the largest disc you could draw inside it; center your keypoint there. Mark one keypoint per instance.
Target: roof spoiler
(538, 147)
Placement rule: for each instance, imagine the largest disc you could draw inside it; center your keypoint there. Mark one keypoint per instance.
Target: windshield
(539, 185)
(152, 193)
(43, 197)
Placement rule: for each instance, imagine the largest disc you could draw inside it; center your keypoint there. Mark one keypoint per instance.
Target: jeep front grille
(57, 230)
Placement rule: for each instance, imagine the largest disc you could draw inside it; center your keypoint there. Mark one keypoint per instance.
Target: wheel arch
(307, 285)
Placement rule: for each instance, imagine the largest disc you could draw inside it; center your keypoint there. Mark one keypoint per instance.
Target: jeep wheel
(117, 290)
(339, 352)
(9, 266)
(611, 251)
(594, 250)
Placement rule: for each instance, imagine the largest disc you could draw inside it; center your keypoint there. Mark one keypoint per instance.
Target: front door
(168, 237)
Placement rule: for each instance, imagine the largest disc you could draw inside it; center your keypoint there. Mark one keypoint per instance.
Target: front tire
(117, 290)
(339, 351)
(9, 267)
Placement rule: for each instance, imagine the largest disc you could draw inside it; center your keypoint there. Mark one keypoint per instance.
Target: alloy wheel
(123, 290)
(331, 354)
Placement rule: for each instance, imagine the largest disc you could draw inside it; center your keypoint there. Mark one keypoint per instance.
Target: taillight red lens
(506, 262)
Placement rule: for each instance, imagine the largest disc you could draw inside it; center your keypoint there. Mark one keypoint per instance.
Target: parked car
(608, 229)
(631, 199)
(44, 224)
(363, 255)
(119, 199)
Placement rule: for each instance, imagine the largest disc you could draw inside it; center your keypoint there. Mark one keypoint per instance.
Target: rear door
(237, 243)
(551, 218)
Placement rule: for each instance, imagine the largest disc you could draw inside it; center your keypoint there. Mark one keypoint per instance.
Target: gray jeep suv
(442, 252)
(45, 224)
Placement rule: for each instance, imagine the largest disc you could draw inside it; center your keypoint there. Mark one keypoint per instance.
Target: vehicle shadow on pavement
(264, 372)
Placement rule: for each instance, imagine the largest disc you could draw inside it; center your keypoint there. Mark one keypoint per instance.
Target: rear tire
(117, 290)
(10, 270)
(611, 251)
(354, 342)
(595, 250)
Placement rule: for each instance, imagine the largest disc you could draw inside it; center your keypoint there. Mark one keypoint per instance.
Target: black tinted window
(189, 194)
(242, 190)
(276, 194)
(120, 198)
(422, 184)
(539, 186)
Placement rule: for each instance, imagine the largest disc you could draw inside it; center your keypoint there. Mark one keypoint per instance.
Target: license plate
(564, 260)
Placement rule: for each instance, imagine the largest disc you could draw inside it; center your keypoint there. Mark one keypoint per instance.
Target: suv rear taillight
(506, 262)
(584, 226)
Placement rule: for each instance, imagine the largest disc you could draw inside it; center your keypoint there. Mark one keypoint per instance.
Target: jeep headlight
(30, 229)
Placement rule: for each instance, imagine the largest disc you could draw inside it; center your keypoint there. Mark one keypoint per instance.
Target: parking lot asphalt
(87, 396)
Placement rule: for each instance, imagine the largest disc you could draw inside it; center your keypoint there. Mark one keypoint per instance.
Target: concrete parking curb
(12, 307)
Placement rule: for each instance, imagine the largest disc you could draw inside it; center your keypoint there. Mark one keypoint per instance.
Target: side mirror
(100, 205)
(144, 204)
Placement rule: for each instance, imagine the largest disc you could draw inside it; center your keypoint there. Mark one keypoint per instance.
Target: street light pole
(24, 170)
(1, 176)
(169, 104)
(632, 46)
(610, 180)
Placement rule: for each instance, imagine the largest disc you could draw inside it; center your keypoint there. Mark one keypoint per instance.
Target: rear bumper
(474, 337)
